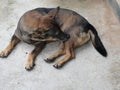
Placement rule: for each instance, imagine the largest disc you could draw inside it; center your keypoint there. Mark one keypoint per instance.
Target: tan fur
(82, 39)
(30, 61)
(9, 48)
(31, 57)
(92, 36)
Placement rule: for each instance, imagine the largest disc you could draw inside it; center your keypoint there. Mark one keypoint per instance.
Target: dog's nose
(67, 36)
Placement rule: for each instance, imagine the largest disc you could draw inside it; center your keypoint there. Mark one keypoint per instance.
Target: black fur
(97, 42)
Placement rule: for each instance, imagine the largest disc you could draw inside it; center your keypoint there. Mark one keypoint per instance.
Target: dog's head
(49, 30)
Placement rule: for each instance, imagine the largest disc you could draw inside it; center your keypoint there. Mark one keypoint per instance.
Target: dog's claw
(49, 60)
(30, 67)
(3, 55)
(57, 66)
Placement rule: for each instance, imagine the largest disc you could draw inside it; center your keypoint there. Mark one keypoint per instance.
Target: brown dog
(43, 25)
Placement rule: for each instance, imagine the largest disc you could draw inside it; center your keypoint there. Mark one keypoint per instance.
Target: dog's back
(65, 18)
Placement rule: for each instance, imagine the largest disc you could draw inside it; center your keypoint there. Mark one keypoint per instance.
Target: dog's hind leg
(14, 41)
(69, 54)
(59, 53)
(53, 57)
(31, 57)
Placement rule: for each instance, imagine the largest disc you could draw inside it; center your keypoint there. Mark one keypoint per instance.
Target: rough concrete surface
(89, 71)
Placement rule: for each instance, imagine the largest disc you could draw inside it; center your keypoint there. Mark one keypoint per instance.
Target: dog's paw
(49, 60)
(3, 54)
(29, 67)
(57, 66)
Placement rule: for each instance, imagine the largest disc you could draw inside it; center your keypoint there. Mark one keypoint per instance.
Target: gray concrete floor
(89, 71)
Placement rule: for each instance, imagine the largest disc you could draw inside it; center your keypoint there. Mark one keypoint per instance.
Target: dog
(44, 25)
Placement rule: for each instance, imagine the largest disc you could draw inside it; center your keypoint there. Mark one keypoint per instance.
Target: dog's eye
(51, 32)
(39, 32)
(46, 35)
(56, 33)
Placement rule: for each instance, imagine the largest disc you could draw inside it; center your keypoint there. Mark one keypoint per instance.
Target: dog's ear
(52, 14)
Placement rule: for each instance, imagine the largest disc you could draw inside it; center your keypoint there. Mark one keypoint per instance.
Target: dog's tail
(96, 41)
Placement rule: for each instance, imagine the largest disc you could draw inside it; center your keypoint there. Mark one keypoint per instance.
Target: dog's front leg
(14, 41)
(31, 57)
